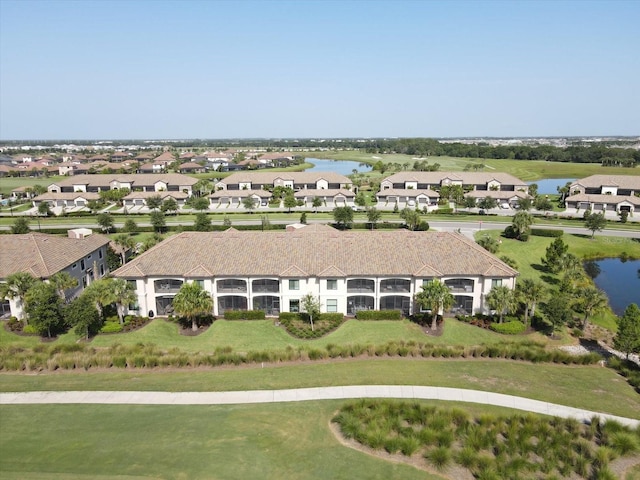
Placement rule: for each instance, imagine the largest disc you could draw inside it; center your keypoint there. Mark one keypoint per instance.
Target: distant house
(191, 167)
(265, 180)
(234, 198)
(139, 199)
(66, 199)
(605, 193)
(173, 182)
(413, 198)
(82, 254)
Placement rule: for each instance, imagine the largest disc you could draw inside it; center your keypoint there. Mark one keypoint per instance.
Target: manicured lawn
(591, 387)
(261, 335)
(279, 441)
(523, 169)
(9, 183)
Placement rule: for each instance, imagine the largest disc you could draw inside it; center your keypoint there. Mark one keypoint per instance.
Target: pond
(619, 280)
(548, 186)
(343, 167)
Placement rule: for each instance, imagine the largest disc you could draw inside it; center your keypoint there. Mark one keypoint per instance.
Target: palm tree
(192, 300)
(63, 281)
(530, 292)
(501, 299)
(590, 301)
(123, 294)
(16, 287)
(125, 242)
(521, 223)
(437, 297)
(101, 294)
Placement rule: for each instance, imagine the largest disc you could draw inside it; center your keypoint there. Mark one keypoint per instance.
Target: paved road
(306, 394)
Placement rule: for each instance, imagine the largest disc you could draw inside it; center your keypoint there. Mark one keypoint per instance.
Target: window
(74, 266)
(100, 253)
(89, 257)
(496, 282)
(332, 305)
(332, 284)
(294, 306)
(199, 282)
(101, 270)
(82, 264)
(426, 281)
(294, 284)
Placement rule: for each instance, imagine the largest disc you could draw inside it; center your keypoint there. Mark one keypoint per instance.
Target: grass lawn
(9, 183)
(590, 387)
(527, 170)
(261, 335)
(291, 441)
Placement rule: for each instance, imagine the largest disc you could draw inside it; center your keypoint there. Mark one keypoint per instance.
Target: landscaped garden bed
(487, 446)
(299, 326)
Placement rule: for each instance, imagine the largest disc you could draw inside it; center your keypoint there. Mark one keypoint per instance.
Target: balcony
(265, 286)
(460, 285)
(395, 285)
(361, 285)
(232, 286)
(167, 286)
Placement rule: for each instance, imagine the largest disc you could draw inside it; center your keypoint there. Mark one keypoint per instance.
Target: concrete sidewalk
(306, 394)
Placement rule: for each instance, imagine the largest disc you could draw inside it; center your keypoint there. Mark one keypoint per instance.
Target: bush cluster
(111, 327)
(132, 322)
(15, 325)
(546, 232)
(627, 369)
(513, 327)
(379, 315)
(74, 356)
(244, 315)
(489, 446)
(299, 326)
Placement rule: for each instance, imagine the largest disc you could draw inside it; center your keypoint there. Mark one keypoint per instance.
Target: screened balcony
(265, 286)
(167, 286)
(395, 285)
(361, 285)
(461, 285)
(232, 286)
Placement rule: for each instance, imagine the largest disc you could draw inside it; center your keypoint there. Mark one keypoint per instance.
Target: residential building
(172, 182)
(82, 255)
(346, 271)
(605, 193)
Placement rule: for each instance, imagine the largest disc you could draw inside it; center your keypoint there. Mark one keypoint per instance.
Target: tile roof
(621, 181)
(67, 196)
(407, 192)
(138, 179)
(467, 178)
(497, 194)
(317, 250)
(331, 192)
(265, 177)
(240, 194)
(162, 194)
(603, 198)
(42, 255)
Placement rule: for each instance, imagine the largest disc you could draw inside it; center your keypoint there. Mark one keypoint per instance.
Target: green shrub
(443, 210)
(546, 232)
(379, 315)
(514, 327)
(111, 327)
(30, 330)
(244, 315)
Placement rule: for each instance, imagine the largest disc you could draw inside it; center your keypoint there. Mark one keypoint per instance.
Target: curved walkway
(305, 394)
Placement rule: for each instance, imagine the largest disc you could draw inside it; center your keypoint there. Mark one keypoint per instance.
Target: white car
(505, 206)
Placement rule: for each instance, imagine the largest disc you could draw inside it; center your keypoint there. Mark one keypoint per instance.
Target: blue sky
(214, 69)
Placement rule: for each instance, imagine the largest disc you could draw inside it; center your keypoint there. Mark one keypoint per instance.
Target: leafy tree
(533, 190)
(202, 222)
(123, 293)
(158, 221)
(311, 306)
(264, 221)
(44, 209)
(290, 202)
(595, 222)
(105, 220)
(521, 224)
(191, 301)
(469, 202)
(130, 226)
(20, 226)
(44, 308)
(555, 252)
(627, 339)
(564, 193)
(624, 215)
(94, 205)
(524, 204)
(169, 206)
(530, 292)
(501, 299)
(16, 287)
(343, 216)
(202, 187)
(453, 193)
(317, 202)
(509, 261)
(543, 203)
(487, 203)
(489, 243)
(115, 195)
(82, 314)
(360, 199)
(249, 203)
(226, 221)
(411, 218)
(437, 297)
(303, 218)
(200, 203)
(113, 259)
(126, 243)
(154, 202)
(590, 301)
(373, 216)
(558, 310)
(63, 281)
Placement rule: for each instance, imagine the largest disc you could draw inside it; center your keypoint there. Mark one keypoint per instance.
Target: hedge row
(244, 315)
(546, 232)
(379, 315)
(79, 356)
